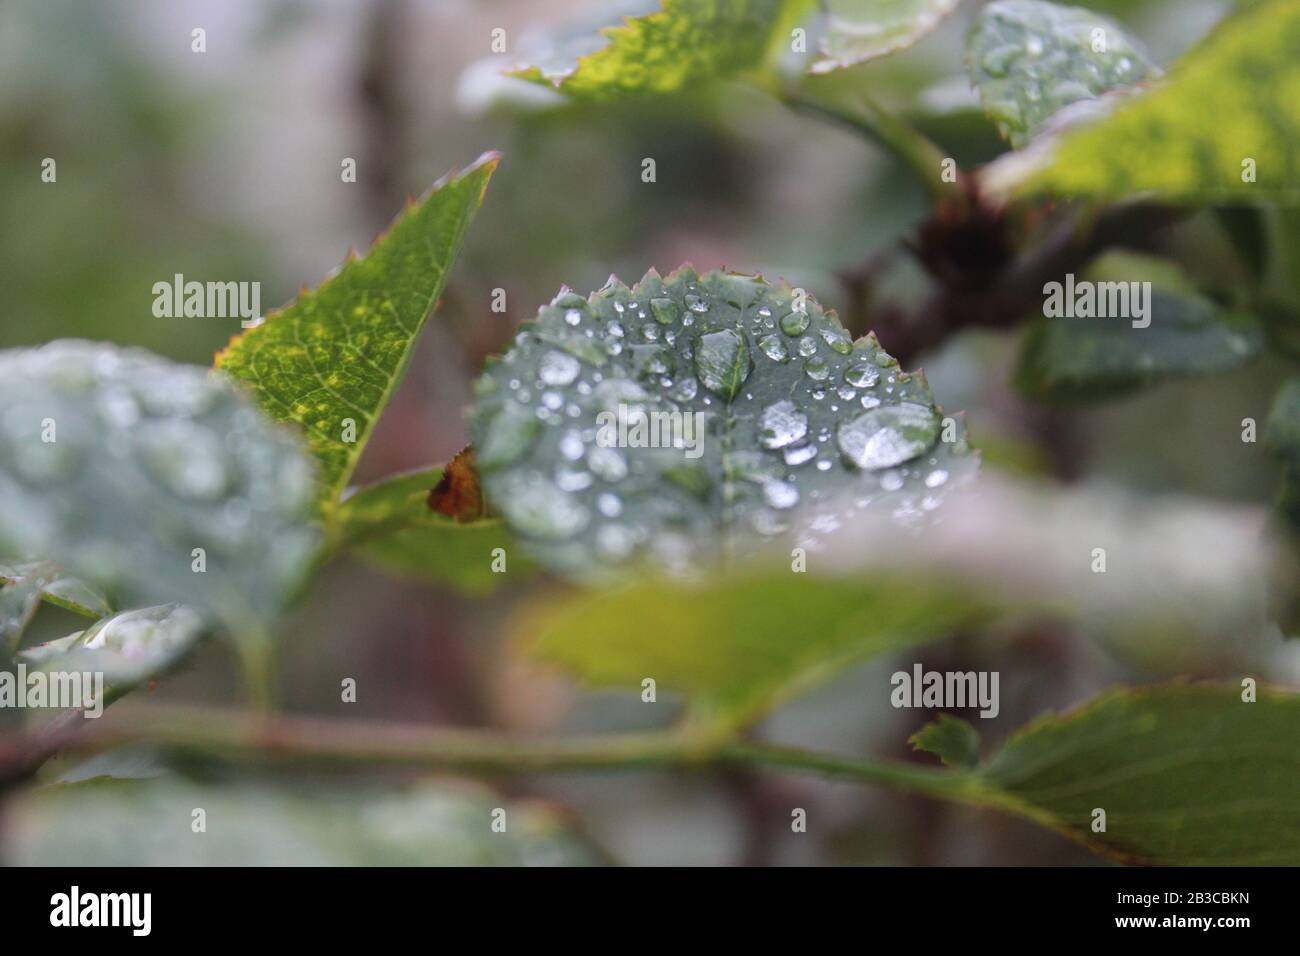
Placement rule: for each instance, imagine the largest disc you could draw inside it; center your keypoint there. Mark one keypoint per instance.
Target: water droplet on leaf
(665, 311)
(794, 323)
(558, 368)
(889, 435)
(781, 424)
(774, 348)
(723, 362)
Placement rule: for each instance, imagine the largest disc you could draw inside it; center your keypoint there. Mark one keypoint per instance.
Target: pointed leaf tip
(330, 360)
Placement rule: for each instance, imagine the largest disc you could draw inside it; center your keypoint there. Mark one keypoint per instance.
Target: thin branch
(939, 783)
(207, 732)
(214, 733)
(895, 774)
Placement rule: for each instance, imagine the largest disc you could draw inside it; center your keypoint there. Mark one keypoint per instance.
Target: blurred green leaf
(1282, 433)
(1188, 775)
(1028, 59)
(106, 822)
(71, 594)
(951, 739)
(1282, 437)
(1224, 127)
(1004, 552)
(1286, 245)
(671, 50)
(20, 596)
(1072, 359)
(120, 465)
(330, 361)
(1279, 292)
(854, 31)
(128, 648)
(763, 417)
(738, 646)
(75, 595)
(1247, 229)
(390, 524)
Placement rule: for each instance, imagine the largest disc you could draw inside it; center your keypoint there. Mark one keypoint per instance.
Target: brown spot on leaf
(459, 495)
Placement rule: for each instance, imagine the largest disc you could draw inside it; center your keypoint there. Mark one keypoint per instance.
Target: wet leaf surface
(151, 480)
(686, 419)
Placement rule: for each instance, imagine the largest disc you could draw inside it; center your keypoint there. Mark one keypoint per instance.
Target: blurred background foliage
(226, 165)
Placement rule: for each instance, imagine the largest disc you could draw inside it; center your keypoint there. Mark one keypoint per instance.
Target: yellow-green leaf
(330, 361)
(739, 646)
(1225, 126)
(670, 50)
(690, 42)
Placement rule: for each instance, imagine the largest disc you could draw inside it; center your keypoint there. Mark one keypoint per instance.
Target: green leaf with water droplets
(691, 417)
(690, 42)
(1028, 59)
(739, 645)
(133, 472)
(951, 739)
(551, 50)
(1066, 359)
(1224, 126)
(128, 648)
(391, 525)
(106, 822)
(1188, 775)
(672, 50)
(330, 361)
(854, 31)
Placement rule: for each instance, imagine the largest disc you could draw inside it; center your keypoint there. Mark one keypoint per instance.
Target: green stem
(895, 774)
(941, 784)
(207, 733)
(913, 148)
(257, 660)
